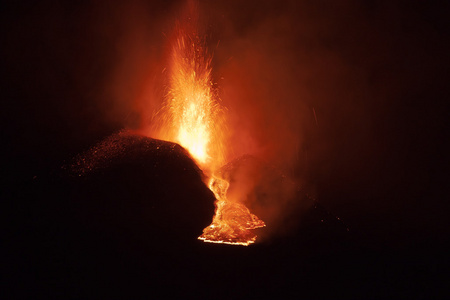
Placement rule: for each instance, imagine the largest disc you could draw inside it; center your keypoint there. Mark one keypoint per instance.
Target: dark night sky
(375, 72)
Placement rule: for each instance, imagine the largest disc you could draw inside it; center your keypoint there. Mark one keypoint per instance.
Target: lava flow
(232, 222)
(194, 118)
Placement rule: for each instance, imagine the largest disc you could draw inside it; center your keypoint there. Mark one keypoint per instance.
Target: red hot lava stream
(193, 117)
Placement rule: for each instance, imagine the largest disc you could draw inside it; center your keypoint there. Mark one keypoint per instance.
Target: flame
(195, 118)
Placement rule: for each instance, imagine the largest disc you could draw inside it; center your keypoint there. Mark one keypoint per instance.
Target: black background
(379, 158)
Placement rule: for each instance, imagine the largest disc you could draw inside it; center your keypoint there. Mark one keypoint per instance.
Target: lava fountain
(193, 117)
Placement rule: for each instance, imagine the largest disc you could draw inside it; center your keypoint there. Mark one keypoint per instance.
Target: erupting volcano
(193, 117)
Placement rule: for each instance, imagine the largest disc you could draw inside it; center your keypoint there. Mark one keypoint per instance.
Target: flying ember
(193, 117)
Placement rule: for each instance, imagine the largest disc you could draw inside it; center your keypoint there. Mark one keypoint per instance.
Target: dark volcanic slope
(131, 180)
(127, 204)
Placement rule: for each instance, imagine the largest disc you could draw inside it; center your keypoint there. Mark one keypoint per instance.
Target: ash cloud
(370, 72)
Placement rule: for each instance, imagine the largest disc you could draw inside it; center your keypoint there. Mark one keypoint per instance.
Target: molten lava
(232, 222)
(191, 98)
(194, 118)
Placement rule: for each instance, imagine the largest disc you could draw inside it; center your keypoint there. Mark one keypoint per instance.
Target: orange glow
(232, 222)
(191, 98)
(194, 118)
